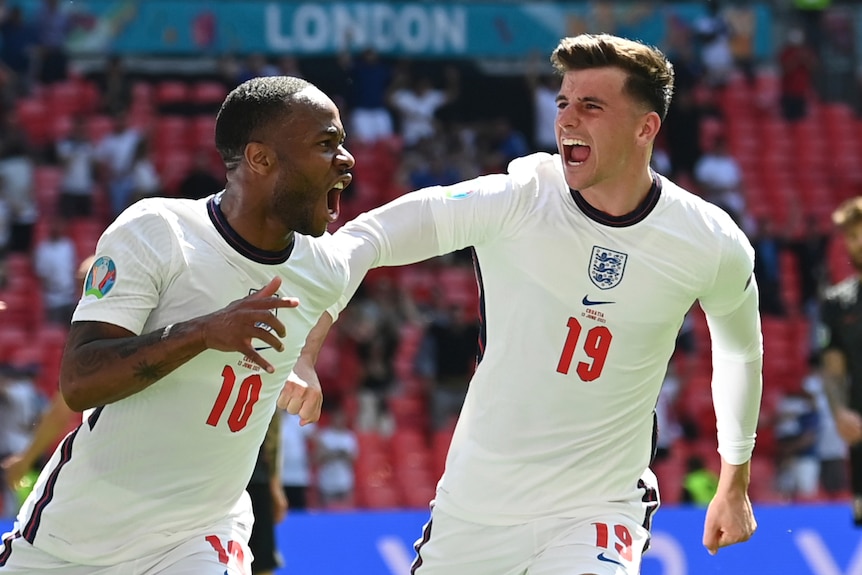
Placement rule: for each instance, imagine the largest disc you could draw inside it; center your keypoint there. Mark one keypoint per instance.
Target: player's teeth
(573, 142)
(339, 186)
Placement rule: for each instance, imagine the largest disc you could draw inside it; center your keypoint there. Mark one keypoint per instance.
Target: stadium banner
(427, 29)
(790, 540)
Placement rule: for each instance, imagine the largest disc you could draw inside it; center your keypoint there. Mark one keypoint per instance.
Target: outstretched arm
(103, 363)
(736, 391)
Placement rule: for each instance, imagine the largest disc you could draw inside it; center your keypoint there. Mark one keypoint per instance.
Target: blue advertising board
(790, 540)
(447, 29)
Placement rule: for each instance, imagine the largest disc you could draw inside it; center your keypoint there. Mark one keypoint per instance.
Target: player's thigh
(450, 545)
(223, 550)
(611, 544)
(19, 557)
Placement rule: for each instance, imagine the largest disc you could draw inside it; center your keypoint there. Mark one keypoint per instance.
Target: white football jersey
(580, 313)
(142, 473)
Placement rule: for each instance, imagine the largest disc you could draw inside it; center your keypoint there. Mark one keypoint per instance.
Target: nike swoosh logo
(588, 302)
(602, 557)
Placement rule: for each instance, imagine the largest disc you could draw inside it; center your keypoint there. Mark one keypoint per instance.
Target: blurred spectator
(295, 461)
(447, 358)
(433, 168)
(116, 156)
(700, 482)
(719, 177)
(713, 32)
(809, 243)
(18, 41)
(544, 88)
(55, 421)
(77, 156)
(288, 65)
(55, 264)
(417, 102)
(767, 266)
(507, 142)
(267, 501)
(256, 65)
(53, 25)
(669, 429)
(336, 449)
(145, 180)
(373, 323)
(20, 405)
(831, 447)
(200, 181)
(5, 227)
(16, 173)
(796, 430)
(115, 86)
(683, 124)
(742, 21)
(797, 62)
(369, 78)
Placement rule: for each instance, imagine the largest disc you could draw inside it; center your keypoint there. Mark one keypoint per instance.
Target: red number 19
(596, 345)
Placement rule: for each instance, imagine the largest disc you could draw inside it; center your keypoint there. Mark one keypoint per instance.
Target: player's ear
(260, 157)
(649, 127)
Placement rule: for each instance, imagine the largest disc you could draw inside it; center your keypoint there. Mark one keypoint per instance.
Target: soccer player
(841, 316)
(194, 313)
(587, 262)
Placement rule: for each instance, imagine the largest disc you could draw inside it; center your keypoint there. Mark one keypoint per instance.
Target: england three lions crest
(607, 267)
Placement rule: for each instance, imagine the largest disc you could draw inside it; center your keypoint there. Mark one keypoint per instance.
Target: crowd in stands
(76, 149)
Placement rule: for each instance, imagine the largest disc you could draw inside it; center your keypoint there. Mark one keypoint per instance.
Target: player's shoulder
(527, 172)
(687, 207)
(325, 252)
(161, 208)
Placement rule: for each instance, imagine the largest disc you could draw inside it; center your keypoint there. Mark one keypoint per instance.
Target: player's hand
(729, 520)
(252, 317)
(14, 469)
(301, 393)
(849, 425)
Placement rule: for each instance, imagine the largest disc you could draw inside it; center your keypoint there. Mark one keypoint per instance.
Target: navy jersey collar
(234, 240)
(629, 219)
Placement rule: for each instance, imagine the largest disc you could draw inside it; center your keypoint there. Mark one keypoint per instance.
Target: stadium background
(175, 55)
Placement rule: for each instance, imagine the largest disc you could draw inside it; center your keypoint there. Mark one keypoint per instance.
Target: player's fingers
(268, 290)
(263, 333)
(294, 405)
(258, 359)
(309, 412)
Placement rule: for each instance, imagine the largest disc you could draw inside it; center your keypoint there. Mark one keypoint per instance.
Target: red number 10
(249, 393)
(596, 345)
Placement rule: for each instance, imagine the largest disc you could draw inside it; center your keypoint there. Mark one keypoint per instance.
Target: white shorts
(600, 543)
(223, 550)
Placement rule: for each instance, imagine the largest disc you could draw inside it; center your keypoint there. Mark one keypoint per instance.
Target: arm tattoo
(150, 372)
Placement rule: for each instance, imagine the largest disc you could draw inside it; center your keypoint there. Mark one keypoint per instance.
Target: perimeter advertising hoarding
(791, 540)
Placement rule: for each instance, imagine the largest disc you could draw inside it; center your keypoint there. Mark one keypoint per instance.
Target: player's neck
(251, 222)
(619, 196)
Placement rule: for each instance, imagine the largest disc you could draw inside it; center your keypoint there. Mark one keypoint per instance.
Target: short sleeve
(132, 265)
(734, 277)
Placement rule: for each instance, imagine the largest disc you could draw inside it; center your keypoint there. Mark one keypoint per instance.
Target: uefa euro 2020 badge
(101, 277)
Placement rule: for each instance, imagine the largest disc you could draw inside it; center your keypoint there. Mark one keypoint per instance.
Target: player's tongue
(578, 153)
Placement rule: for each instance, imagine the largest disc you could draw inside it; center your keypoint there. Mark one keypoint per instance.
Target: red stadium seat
(172, 92)
(206, 92)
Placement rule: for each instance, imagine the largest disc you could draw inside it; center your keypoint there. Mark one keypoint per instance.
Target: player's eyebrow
(588, 99)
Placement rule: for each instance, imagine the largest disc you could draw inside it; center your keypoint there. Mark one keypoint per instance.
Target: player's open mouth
(575, 151)
(333, 197)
